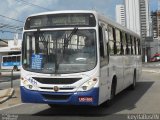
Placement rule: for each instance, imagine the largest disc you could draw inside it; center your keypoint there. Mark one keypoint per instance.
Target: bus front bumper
(78, 98)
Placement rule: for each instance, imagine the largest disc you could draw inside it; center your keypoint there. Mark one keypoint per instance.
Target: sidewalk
(13, 99)
(151, 70)
(6, 94)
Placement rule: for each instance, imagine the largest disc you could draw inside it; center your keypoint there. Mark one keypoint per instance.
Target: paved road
(5, 81)
(145, 99)
(152, 65)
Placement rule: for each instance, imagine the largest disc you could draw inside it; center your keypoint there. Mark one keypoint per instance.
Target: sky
(19, 10)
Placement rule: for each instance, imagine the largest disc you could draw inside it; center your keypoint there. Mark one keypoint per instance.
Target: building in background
(120, 15)
(155, 45)
(138, 20)
(132, 15)
(144, 18)
(137, 16)
(10, 53)
(154, 24)
(158, 23)
(145, 29)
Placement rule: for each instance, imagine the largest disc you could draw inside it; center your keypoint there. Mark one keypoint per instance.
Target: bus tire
(113, 88)
(133, 86)
(113, 91)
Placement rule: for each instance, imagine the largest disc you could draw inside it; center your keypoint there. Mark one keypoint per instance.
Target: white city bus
(77, 58)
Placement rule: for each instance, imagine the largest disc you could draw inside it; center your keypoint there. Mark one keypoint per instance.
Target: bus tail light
(88, 85)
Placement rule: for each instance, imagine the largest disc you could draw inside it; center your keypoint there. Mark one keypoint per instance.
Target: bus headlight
(88, 85)
(28, 85)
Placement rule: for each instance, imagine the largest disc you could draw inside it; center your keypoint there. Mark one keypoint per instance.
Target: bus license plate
(85, 99)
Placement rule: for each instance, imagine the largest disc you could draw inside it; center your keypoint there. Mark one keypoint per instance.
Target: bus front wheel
(112, 92)
(54, 106)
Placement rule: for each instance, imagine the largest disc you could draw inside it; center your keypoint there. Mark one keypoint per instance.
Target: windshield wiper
(56, 60)
(66, 41)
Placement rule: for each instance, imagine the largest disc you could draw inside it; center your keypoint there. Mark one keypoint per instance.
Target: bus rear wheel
(133, 86)
(113, 90)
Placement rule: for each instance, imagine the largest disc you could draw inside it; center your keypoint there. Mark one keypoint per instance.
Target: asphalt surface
(153, 65)
(145, 99)
(5, 81)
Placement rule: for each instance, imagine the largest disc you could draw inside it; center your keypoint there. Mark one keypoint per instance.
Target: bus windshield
(60, 51)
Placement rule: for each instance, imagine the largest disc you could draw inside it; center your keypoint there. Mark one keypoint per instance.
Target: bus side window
(111, 40)
(9, 59)
(101, 42)
(132, 44)
(103, 47)
(121, 41)
(18, 58)
(13, 58)
(135, 48)
(127, 44)
(5, 59)
(118, 42)
(124, 42)
(139, 47)
(106, 40)
(114, 40)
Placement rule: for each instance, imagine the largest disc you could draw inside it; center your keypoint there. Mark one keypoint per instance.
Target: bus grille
(55, 97)
(56, 80)
(51, 88)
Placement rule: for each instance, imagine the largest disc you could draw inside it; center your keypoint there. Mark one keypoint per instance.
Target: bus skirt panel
(77, 98)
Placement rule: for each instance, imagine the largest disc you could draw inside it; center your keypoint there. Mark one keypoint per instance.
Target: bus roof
(97, 14)
(64, 11)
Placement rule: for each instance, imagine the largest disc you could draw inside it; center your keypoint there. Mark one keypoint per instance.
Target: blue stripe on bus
(28, 96)
(11, 64)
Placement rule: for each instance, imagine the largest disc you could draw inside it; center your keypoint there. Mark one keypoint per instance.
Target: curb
(8, 95)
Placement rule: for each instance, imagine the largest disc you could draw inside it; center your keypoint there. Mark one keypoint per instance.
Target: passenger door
(104, 60)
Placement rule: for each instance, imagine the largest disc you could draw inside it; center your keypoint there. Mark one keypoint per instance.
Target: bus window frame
(103, 38)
